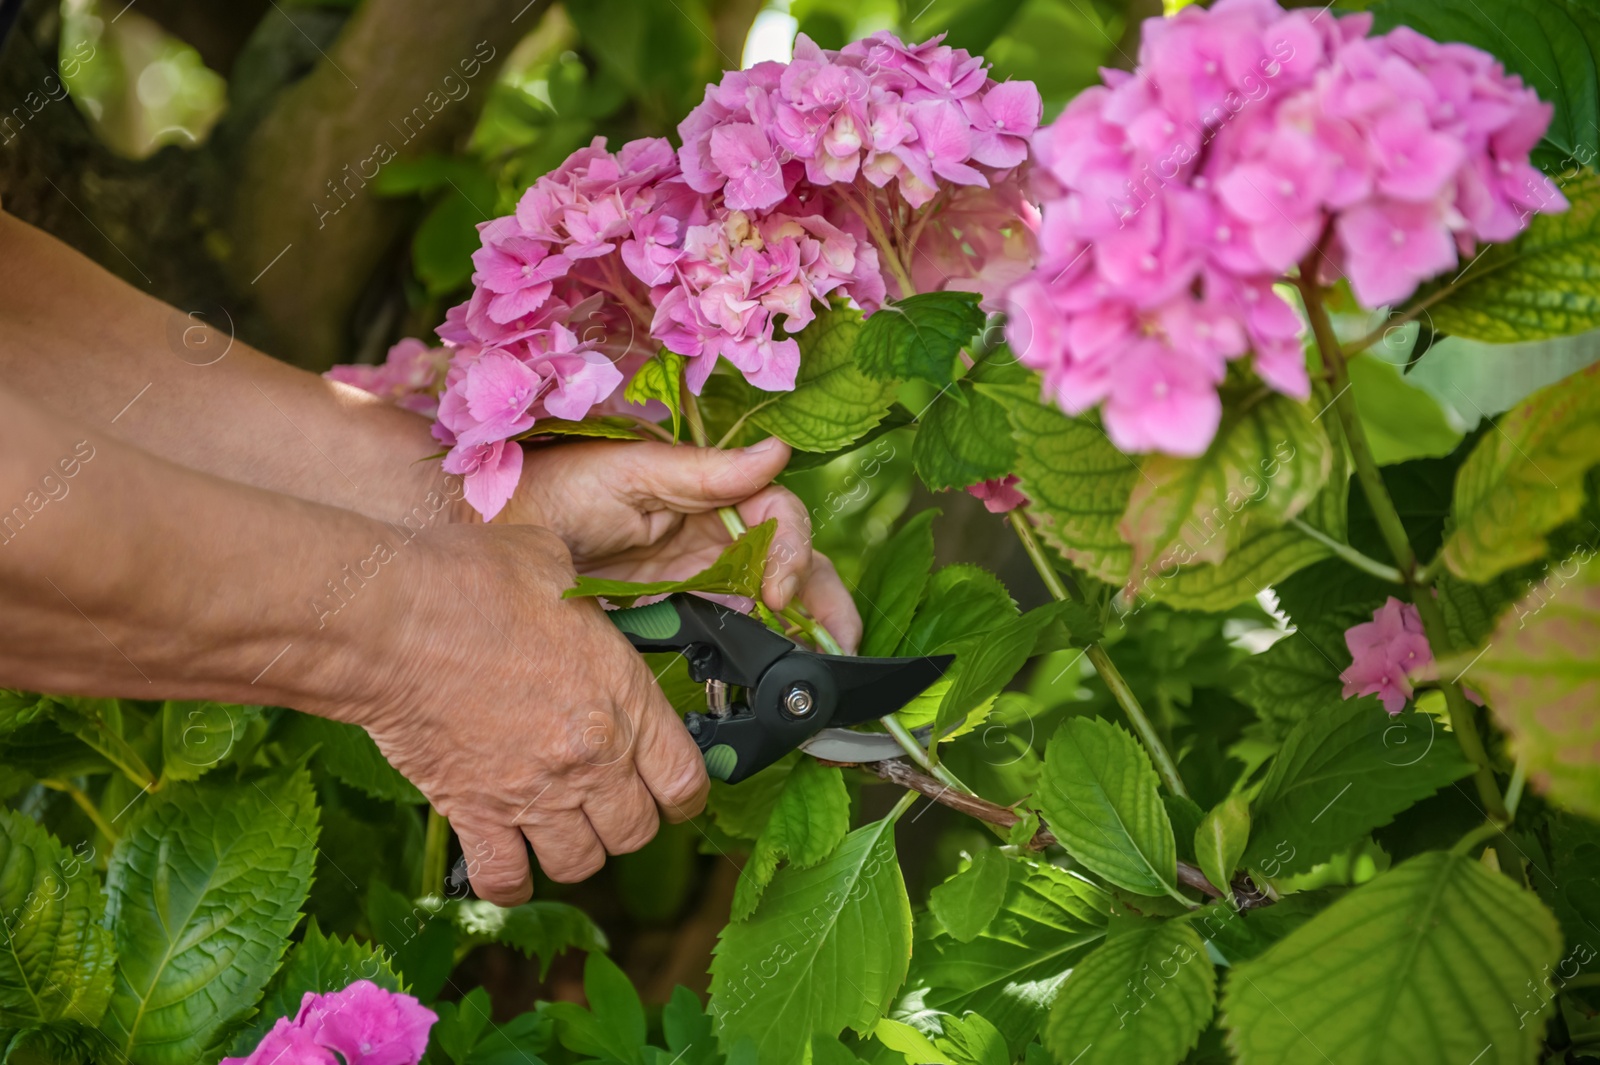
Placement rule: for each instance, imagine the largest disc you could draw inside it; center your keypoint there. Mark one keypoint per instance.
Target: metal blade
(843, 745)
(871, 687)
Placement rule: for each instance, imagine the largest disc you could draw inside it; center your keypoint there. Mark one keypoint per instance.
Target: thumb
(696, 479)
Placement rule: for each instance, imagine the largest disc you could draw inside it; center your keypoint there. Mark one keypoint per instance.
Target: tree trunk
(405, 79)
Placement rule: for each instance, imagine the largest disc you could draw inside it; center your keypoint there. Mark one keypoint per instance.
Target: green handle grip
(658, 621)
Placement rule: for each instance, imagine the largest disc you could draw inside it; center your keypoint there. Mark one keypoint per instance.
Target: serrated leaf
(1297, 678)
(1542, 41)
(737, 571)
(613, 1028)
(742, 809)
(809, 819)
(202, 894)
(963, 601)
(539, 929)
(848, 915)
(1220, 840)
(833, 403)
(972, 1040)
(919, 336)
(1340, 774)
(1546, 283)
(1525, 479)
(57, 961)
(1101, 798)
(963, 437)
(20, 708)
(659, 379)
(1541, 675)
(319, 964)
(995, 659)
(1265, 465)
(1010, 972)
(910, 1042)
(1144, 996)
(690, 1034)
(1079, 485)
(892, 584)
(196, 735)
(1402, 421)
(968, 901)
(350, 754)
(1472, 610)
(1427, 964)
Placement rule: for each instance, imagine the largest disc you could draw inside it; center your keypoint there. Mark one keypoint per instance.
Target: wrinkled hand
(647, 511)
(521, 714)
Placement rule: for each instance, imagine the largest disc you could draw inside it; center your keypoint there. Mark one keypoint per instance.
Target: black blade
(872, 687)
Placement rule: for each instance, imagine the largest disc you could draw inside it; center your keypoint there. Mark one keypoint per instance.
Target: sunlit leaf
(834, 403)
(737, 571)
(809, 819)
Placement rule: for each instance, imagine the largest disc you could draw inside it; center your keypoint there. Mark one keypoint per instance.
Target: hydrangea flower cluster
(361, 1025)
(1384, 653)
(409, 377)
(998, 495)
(830, 178)
(1249, 140)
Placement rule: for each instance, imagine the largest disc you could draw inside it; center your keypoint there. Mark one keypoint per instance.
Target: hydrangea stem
(1361, 562)
(1462, 720)
(1115, 682)
(435, 851)
(83, 802)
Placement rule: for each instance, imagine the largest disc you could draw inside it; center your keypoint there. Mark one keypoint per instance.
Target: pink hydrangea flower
(409, 377)
(999, 496)
(360, 1025)
(1385, 652)
(1249, 140)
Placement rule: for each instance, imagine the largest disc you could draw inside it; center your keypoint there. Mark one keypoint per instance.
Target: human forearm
(123, 574)
(83, 342)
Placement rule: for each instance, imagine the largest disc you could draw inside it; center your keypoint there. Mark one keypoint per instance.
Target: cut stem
(1107, 669)
(1365, 563)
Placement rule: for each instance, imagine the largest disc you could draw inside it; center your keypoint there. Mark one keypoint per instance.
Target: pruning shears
(766, 695)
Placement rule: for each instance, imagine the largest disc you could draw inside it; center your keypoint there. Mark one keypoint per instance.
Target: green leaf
(1142, 996)
(962, 438)
(892, 583)
(1541, 676)
(825, 1050)
(613, 428)
(1264, 556)
(972, 1040)
(1298, 677)
(999, 654)
(848, 915)
(811, 816)
(963, 601)
(202, 895)
(737, 571)
(1265, 465)
(968, 901)
(1550, 44)
(1546, 283)
(1428, 964)
(660, 379)
(1525, 479)
(443, 243)
(321, 964)
(613, 1028)
(421, 940)
(1402, 421)
(833, 403)
(911, 1043)
(57, 960)
(197, 735)
(1340, 774)
(689, 1032)
(1079, 485)
(1010, 972)
(1100, 796)
(919, 336)
(20, 708)
(539, 929)
(350, 754)
(742, 809)
(1220, 840)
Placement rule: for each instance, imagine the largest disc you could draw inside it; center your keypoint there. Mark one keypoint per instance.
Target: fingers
(789, 560)
(497, 862)
(566, 845)
(669, 763)
(693, 480)
(624, 816)
(831, 604)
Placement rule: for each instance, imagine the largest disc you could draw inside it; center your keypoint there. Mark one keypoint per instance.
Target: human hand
(522, 714)
(647, 511)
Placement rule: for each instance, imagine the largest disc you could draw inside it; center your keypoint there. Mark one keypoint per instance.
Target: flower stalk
(1115, 682)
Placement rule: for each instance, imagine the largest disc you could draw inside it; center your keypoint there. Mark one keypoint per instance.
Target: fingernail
(788, 586)
(763, 447)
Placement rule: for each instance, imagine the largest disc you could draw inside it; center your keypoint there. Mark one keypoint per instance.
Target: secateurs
(766, 695)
